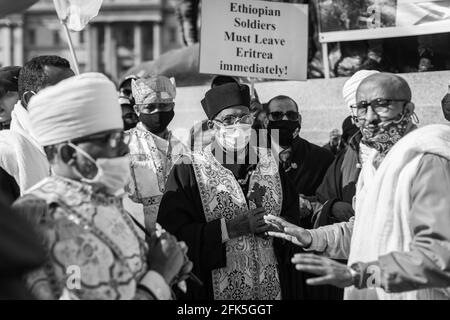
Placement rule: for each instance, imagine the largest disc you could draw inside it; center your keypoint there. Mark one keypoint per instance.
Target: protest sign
(348, 20)
(254, 39)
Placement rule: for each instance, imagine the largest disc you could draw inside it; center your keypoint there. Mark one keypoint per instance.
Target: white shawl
(20, 154)
(382, 208)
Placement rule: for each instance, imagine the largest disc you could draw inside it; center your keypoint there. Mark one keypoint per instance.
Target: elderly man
(397, 243)
(93, 248)
(153, 148)
(21, 156)
(215, 201)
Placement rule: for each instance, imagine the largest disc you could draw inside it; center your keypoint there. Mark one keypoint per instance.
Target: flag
(76, 14)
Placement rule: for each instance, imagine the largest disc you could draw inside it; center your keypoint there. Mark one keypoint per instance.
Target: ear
(25, 99)
(300, 119)
(409, 108)
(266, 122)
(136, 109)
(172, 79)
(210, 124)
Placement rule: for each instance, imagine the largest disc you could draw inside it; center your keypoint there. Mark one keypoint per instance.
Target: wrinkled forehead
(377, 87)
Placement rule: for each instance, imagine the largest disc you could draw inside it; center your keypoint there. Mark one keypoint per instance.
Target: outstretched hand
(329, 271)
(288, 231)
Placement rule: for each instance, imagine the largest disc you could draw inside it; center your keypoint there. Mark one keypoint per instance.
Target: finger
(294, 231)
(258, 210)
(263, 229)
(278, 220)
(280, 235)
(311, 269)
(318, 281)
(187, 268)
(300, 257)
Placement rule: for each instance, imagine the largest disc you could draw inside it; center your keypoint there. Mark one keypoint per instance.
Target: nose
(284, 117)
(371, 116)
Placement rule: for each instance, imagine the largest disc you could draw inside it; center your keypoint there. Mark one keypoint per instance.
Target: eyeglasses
(278, 115)
(231, 120)
(113, 139)
(379, 106)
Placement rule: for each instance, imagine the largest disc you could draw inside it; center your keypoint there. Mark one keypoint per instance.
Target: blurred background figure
(349, 129)
(335, 144)
(9, 79)
(127, 102)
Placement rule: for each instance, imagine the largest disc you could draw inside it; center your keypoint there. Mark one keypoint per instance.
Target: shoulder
(32, 208)
(314, 150)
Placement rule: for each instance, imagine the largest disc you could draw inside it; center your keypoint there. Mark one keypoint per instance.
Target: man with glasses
(21, 156)
(397, 242)
(215, 201)
(126, 101)
(153, 148)
(94, 249)
(304, 163)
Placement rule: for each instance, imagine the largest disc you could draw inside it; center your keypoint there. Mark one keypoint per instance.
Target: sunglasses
(278, 115)
(113, 139)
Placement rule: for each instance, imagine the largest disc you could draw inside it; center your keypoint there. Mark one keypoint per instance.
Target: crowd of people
(99, 200)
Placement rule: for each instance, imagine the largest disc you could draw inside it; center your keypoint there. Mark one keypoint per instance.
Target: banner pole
(72, 50)
(325, 61)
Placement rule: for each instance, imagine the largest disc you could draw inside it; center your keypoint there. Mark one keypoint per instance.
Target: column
(156, 40)
(7, 45)
(92, 47)
(137, 43)
(110, 51)
(18, 45)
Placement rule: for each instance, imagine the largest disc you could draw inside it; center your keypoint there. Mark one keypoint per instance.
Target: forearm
(332, 241)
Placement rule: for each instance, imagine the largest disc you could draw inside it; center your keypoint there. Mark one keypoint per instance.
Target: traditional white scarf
(382, 209)
(20, 122)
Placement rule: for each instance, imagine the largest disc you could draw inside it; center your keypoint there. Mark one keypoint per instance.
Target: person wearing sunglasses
(304, 163)
(153, 147)
(397, 242)
(215, 201)
(94, 250)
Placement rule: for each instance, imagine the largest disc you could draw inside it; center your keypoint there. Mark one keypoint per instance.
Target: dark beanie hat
(225, 96)
(9, 78)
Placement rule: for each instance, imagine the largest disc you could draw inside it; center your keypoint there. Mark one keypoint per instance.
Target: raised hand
(330, 271)
(288, 231)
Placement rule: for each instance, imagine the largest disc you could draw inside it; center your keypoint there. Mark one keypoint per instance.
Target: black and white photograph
(224, 155)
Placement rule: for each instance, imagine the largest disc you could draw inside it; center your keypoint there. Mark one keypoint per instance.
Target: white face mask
(112, 173)
(234, 137)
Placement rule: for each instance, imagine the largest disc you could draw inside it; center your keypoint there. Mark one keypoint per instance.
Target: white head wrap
(352, 84)
(76, 107)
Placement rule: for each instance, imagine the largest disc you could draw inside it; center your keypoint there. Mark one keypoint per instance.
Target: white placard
(252, 38)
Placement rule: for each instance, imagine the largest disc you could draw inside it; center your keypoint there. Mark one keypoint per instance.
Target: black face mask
(286, 130)
(156, 122)
(445, 103)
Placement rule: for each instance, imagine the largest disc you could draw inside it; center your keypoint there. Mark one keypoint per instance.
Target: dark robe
(181, 213)
(20, 252)
(311, 164)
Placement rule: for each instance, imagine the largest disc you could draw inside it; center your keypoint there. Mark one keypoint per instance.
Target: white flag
(77, 13)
